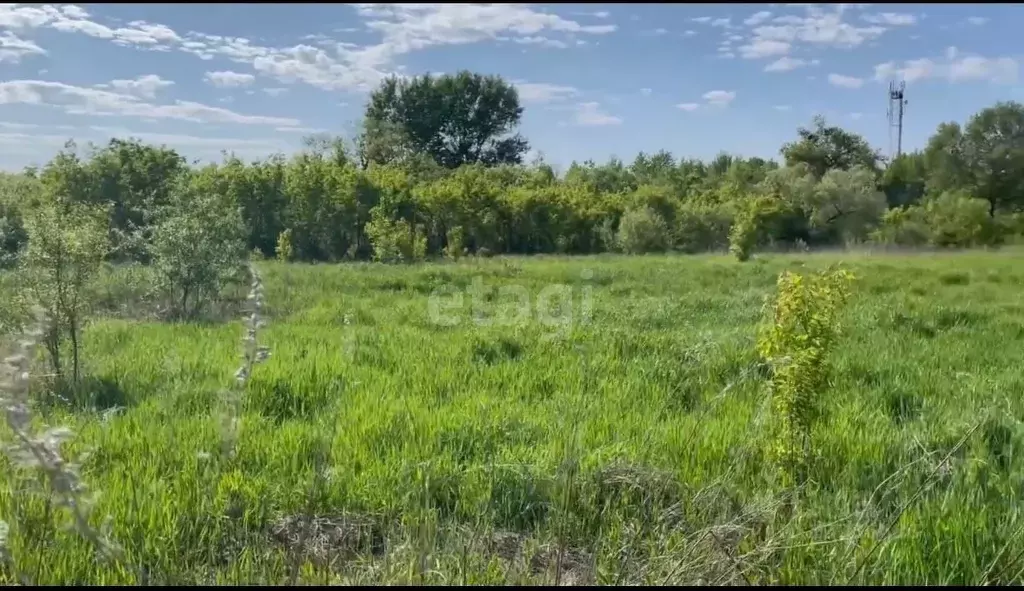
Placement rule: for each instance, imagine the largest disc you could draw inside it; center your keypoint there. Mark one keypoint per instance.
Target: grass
(378, 446)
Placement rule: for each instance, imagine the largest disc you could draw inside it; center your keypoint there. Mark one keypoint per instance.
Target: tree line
(437, 170)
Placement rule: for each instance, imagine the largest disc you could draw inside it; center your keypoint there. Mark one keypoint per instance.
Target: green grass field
(616, 438)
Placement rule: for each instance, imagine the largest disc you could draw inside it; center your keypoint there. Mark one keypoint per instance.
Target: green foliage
(456, 119)
(642, 230)
(454, 248)
(795, 339)
(753, 224)
(284, 246)
(395, 241)
(824, 148)
(984, 159)
(950, 220)
(67, 244)
(198, 248)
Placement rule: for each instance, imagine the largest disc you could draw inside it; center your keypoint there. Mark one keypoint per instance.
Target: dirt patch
(327, 540)
(570, 567)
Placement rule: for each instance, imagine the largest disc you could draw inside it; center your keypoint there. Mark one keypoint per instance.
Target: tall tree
(457, 119)
(826, 148)
(985, 158)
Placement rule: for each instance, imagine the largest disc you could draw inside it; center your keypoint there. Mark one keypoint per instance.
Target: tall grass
(377, 446)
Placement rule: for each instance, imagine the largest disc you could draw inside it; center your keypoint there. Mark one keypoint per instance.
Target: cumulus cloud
(780, 35)
(228, 79)
(845, 81)
(952, 67)
(890, 18)
(13, 48)
(688, 106)
(759, 48)
(275, 91)
(78, 100)
(786, 64)
(540, 92)
(143, 86)
(403, 28)
(719, 98)
(757, 18)
(590, 114)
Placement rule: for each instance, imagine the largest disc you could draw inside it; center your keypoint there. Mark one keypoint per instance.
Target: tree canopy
(457, 119)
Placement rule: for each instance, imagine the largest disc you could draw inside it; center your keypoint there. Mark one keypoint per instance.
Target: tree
(198, 246)
(991, 150)
(67, 244)
(456, 119)
(825, 148)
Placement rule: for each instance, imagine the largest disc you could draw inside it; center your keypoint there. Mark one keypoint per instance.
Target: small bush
(198, 248)
(642, 230)
(795, 340)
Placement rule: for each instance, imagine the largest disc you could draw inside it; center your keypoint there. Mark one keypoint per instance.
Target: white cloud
(757, 18)
(782, 108)
(688, 106)
(228, 79)
(590, 114)
(702, 20)
(646, 91)
(542, 41)
(77, 100)
(890, 18)
(689, 33)
(344, 66)
(759, 48)
(817, 27)
(725, 22)
(540, 92)
(856, 116)
(275, 91)
(602, 14)
(977, 20)
(300, 130)
(13, 48)
(786, 64)
(845, 81)
(952, 67)
(143, 86)
(719, 98)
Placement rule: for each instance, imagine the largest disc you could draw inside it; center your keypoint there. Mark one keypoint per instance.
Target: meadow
(611, 433)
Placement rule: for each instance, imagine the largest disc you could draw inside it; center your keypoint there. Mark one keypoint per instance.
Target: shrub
(642, 230)
(284, 249)
(795, 340)
(395, 241)
(754, 225)
(67, 244)
(198, 247)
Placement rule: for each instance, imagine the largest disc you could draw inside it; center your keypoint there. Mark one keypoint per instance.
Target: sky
(595, 80)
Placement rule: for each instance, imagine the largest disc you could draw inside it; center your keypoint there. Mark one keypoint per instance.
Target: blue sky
(595, 80)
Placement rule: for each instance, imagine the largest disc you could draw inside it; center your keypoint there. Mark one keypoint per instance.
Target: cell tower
(896, 103)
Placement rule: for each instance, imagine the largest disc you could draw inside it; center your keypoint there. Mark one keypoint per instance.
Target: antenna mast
(895, 114)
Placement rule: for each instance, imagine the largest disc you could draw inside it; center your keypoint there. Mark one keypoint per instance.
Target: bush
(796, 337)
(951, 220)
(702, 228)
(642, 230)
(67, 245)
(756, 222)
(284, 249)
(395, 241)
(198, 248)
